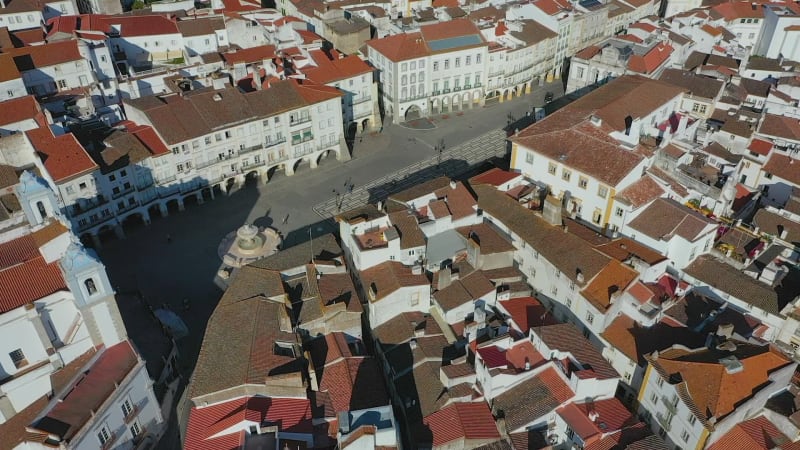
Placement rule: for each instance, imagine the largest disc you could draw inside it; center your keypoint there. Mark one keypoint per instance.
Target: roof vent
(596, 121)
(217, 97)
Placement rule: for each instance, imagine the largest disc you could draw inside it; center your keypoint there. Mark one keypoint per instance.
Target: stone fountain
(247, 244)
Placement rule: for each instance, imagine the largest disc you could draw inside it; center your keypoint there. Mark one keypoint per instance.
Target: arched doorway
(365, 125)
(435, 104)
(465, 101)
(272, 170)
(251, 178)
(133, 222)
(413, 112)
(492, 97)
(106, 233)
(456, 102)
(445, 104)
(173, 206)
(190, 200)
(296, 165)
(324, 155)
(206, 192)
(154, 212)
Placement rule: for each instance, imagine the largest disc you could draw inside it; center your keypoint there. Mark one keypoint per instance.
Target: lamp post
(439, 149)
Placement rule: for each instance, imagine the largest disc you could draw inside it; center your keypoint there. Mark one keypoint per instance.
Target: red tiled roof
(713, 31)
(630, 38)
(640, 192)
(90, 391)
(643, 26)
(754, 434)
(130, 26)
(784, 167)
(493, 356)
(249, 55)
(738, 10)
(33, 36)
(24, 274)
(588, 52)
(292, 415)
(29, 58)
(315, 93)
(19, 109)
(760, 146)
(651, 60)
(63, 156)
(551, 7)
(495, 177)
(527, 312)
(351, 384)
(471, 421)
(150, 139)
(450, 29)
(8, 70)
(400, 47)
(336, 69)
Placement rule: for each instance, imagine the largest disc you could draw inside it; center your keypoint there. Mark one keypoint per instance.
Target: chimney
(593, 415)
(551, 210)
(445, 279)
(628, 125)
(452, 184)
(416, 269)
(344, 422)
(257, 78)
(579, 276)
(725, 330)
(412, 344)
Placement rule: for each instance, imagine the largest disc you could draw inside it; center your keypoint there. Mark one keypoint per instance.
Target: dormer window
(91, 288)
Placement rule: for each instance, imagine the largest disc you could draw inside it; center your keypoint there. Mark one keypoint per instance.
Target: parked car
(548, 97)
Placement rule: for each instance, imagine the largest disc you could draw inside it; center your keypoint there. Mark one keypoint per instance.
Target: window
(589, 318)
(478, 58)
(179, 168)
(654, 398)
(91, 288)
(699, 108)
(660, 382)
(685, 436)
(692, 419)
(126, 186)
(415, 299)
(404, 67)
(551, 169)
(458, 62)
(435, 66)
(103, 435)
(568, 302)
(619, 212)
(283, 349)
(597, 216)
(446, 64)
(529, 157)
(135, 429)
(467, 60)
(565, 174)
(18, 358)
(602, 192)
(115, 191)
(208, 140)
(127, 407)
(82, 186)
(70, 189)
(583, 182)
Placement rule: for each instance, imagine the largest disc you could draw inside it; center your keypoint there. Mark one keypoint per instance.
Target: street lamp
(439, 149)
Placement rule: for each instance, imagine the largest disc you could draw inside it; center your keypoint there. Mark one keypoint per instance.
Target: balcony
(123, 192)
(671, 404)
(299, 121)
(665, 422)
(274, 143)
(168, 179)
(251, 149)
(109, 443)
(132, 415)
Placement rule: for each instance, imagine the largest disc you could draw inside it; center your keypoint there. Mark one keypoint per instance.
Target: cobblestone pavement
(466, 156)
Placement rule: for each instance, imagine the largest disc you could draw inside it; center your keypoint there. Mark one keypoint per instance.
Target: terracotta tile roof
(697, 85)
(640, 192)
(63, 156)
(350, 384)
(388, 277)
(566, 337)
(421, 385)
(772, 223)
(631, 38)
(49, 232)
(20, 109)
(37, 56)
(495, 177)
(439, 209)
(200, 26)
(240, 336)
(458, 370)
(463, 291)
(77, 407)
(459, 201)
(674, 185)
(407, 226)
(8, 70)
(336, 69)
(399, 47)
(784, 167)
(754, 434)
(614, 278)
(652, 60)
(567, 252)
(472, 421)
(706, 386)
(450, 29)
(589, 52)
(249, 55)
(611, 416)
(25, 275)
(622, 249)
(552, 7)
(635, 341)
(181, 118)
(531, 399)
(14, 430)
(780, 126)
(738, 10)
(420, 190)
(488, 239)
(665, 218)
(726, 278)
(716, 149)
(291, 415)
(527, 312)
(403, 327)
(130, 26)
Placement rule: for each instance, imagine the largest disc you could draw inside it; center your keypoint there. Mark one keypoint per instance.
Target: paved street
(168, 272)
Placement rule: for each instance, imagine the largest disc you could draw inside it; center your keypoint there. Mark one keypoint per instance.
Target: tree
(137, 4)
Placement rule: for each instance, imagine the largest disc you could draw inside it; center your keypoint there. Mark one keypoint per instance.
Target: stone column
(289, 168)
(119, 231)
(146, 216)
(199, 196)
(312, 160)
(181, 206)
(162, 208)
